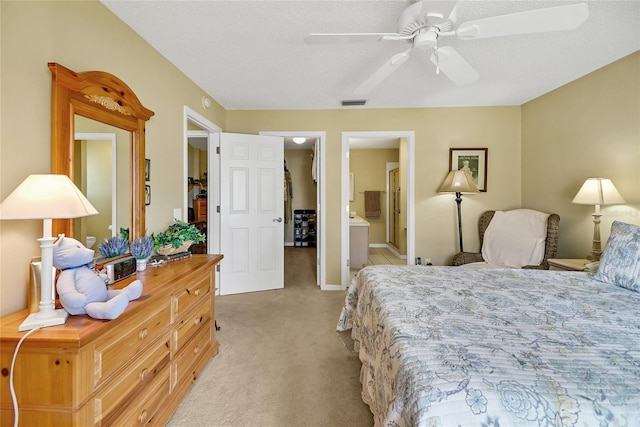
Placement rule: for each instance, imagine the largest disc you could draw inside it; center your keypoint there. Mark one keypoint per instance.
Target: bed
(448, 346)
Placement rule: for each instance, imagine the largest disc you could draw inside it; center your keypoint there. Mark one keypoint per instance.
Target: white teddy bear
(81, 289)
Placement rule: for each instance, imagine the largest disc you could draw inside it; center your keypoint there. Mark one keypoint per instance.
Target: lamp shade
(458, 182)
(46, 197)
(598, 191)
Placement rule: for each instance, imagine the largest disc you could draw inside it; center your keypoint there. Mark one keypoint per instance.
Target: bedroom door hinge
(217, 150)
(218, 209)
(348, 263)
(218, 267)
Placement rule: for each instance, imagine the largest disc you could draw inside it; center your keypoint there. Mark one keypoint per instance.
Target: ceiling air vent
(353, 102)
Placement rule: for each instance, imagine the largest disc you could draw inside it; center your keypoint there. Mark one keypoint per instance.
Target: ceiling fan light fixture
(299, 140)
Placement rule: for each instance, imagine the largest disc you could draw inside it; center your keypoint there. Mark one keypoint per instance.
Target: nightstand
(568, 264)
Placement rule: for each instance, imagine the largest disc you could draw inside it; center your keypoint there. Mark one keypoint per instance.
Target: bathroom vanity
(358, 242)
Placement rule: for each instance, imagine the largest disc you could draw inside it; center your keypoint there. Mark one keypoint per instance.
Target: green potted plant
(141, 248)
(178, 237)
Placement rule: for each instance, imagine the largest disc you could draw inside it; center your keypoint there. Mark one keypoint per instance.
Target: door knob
(279, 219)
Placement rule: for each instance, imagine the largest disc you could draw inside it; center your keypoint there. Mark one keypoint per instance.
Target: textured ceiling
(252, 54)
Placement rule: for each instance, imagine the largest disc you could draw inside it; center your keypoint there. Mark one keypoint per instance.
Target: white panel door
(251, 213)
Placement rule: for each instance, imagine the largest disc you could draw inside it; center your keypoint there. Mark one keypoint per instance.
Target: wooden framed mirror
(104, 98)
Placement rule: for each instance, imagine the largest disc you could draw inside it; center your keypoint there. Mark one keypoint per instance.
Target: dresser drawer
(144, 406)
(182, 365)
(189, 324)
(197, 290)
(111, 400)
(116, 348)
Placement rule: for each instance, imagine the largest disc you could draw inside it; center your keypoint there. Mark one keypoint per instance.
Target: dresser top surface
(80, 329)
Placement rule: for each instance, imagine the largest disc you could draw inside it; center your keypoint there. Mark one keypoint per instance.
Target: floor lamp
(459, 182)
(46, 197)
(597, 192)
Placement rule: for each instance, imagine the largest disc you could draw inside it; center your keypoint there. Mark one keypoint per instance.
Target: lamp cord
(14, 400)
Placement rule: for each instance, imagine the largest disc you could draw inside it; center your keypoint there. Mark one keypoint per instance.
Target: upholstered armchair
(550, 242)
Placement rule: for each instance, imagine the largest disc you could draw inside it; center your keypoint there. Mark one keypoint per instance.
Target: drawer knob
(144, 333)
(197, 321)
(197, 292)
(144, 374)
(143, 416)
(196, 350)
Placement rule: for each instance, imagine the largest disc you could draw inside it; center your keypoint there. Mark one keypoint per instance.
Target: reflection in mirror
(92, 156)
(102, 172)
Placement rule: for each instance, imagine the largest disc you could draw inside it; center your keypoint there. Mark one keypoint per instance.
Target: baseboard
(288, 243)
(332, 288)
(395, 252)
(387, 246)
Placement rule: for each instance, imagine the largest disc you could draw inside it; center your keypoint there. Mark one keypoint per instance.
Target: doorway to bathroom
(371, 198)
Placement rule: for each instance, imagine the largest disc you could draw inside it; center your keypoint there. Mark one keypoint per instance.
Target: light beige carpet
(281, 362)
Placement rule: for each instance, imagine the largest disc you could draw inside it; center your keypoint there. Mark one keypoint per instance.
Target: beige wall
(436, 130)
(304, 190)
(588, 128)
(369, 169)
(83, 36)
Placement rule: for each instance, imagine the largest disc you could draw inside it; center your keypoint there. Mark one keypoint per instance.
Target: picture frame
(147, 170)
(147, 195)
(474, 161)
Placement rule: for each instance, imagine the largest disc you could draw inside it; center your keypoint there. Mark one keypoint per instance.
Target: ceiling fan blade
(333, 38)
(454, 66)
(382, 73)
(534, 21)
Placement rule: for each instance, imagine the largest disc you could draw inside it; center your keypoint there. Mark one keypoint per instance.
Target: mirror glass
(103, 173)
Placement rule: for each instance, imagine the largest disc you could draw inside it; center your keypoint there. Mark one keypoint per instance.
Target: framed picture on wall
(147, 195)
(472, 160)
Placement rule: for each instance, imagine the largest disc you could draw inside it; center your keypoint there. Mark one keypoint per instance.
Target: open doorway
(385, 196)
(201, 139)
(198, 183)
(305, 161)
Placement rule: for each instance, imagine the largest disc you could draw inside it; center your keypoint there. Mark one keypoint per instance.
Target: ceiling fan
(426, 22)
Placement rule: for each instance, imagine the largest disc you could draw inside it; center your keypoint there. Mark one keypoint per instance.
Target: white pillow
(620, 260)
(515, 238)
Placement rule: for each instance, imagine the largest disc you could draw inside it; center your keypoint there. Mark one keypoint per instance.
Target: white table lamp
(46, 197)
(597, 192)
(459, 182)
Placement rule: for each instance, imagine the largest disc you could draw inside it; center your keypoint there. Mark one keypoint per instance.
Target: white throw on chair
(520, 238)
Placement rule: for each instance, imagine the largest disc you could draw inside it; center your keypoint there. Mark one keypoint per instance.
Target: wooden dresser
(200, 210)
(131, 371)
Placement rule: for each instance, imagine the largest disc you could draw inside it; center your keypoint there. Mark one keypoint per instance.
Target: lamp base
(34, 321)
(594, 256)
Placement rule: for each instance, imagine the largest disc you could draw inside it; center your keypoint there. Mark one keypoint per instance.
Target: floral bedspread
(448, 346)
